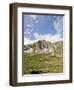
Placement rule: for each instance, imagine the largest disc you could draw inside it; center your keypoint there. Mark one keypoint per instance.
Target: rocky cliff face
(43, 46)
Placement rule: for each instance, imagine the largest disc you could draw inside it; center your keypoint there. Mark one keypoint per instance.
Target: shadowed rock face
(43, 46)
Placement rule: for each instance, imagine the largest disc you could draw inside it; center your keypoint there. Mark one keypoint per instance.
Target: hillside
(43, 57)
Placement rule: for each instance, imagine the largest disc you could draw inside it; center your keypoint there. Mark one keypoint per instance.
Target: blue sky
(42, 27)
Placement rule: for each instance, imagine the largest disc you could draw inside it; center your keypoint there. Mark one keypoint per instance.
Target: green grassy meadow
(42, 63)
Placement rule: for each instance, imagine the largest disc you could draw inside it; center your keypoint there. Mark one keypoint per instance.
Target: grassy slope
(42, 63)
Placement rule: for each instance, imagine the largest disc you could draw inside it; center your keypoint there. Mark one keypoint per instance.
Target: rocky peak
(43, 46)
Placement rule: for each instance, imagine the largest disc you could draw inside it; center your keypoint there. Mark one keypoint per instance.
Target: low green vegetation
(42, 63)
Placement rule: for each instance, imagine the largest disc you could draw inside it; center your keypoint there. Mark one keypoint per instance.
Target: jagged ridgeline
(43, 46)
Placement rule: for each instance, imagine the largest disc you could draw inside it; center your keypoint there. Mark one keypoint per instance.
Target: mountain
(43, 46)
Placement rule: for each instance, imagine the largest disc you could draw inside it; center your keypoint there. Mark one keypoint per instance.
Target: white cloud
(36, 21)
(28, 31)
(28, 41)
(48, 37)
(29, 25)
(33, 17)
(58, 24)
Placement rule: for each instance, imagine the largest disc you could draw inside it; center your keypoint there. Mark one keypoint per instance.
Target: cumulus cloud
(48, 37)
(28, 41)
(58, 24)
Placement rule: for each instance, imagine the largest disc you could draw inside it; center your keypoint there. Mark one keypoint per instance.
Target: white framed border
(45, 77)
